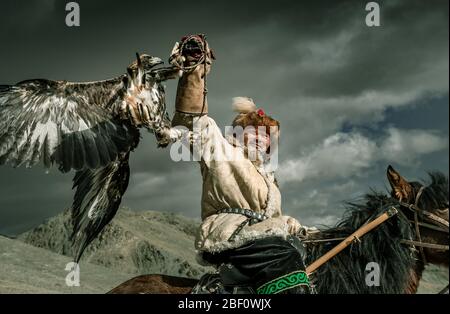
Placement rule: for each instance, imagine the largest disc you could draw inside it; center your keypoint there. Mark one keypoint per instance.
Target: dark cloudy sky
(351, 99)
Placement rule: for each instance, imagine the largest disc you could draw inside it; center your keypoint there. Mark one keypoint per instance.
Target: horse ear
(401, 189)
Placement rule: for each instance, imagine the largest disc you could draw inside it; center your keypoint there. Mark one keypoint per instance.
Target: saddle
(268, 265)
(227, 280)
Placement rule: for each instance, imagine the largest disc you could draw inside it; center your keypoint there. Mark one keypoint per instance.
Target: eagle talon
(171, 135)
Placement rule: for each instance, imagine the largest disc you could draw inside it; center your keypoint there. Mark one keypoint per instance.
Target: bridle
(433, 222)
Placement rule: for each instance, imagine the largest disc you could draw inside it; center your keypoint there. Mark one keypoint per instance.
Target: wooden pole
(351, 238)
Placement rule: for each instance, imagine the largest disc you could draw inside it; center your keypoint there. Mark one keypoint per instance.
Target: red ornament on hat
(260, 112)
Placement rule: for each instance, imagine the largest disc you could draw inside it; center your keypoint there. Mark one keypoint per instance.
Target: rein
(436, 223)
(355, 236)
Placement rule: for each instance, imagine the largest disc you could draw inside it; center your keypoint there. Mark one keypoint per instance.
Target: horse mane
(346, 272)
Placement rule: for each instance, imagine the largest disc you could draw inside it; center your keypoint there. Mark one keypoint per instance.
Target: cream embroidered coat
(232, 183)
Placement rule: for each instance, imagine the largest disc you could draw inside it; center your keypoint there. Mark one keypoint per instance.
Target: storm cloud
(351, 99)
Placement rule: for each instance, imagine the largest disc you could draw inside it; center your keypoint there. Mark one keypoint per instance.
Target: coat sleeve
(213, 147)
(209, 143)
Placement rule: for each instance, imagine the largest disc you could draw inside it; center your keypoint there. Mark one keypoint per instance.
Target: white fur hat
(243, 104)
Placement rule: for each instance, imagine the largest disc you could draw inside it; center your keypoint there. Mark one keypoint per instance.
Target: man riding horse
(243, 230)
(254, 247)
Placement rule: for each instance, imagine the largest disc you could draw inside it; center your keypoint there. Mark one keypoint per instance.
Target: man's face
(258, 140)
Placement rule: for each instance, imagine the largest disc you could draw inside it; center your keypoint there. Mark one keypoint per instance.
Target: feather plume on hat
(243, 104)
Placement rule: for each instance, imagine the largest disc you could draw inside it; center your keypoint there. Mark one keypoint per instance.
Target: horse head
(416, 200)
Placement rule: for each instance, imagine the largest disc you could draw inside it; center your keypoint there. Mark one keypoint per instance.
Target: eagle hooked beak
(146, 62)
(149, 61)
(154, 61)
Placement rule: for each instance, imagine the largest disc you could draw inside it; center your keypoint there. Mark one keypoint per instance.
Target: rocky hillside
(134, 243)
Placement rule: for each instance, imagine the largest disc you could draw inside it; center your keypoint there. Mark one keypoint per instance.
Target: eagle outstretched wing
(88, 127)
(60, 122)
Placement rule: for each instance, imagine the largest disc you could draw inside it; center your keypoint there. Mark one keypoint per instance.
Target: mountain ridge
(134, 243)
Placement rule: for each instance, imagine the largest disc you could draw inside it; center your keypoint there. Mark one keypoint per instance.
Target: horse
(399, 248)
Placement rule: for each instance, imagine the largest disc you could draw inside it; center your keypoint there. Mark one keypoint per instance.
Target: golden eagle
(88, 127)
